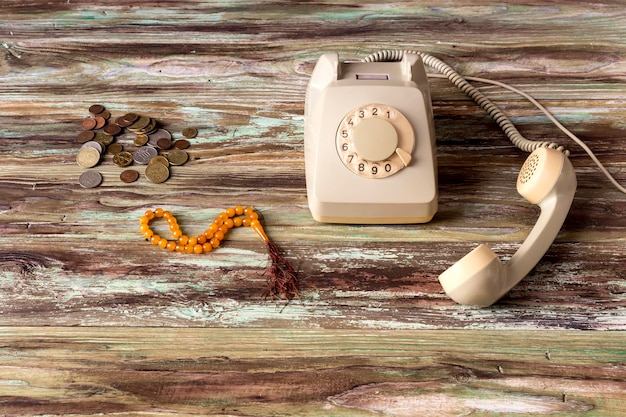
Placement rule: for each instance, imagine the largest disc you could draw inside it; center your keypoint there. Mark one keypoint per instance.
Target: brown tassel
(282, 281)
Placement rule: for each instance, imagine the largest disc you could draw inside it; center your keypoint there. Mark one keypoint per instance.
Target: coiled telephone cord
(527, 145)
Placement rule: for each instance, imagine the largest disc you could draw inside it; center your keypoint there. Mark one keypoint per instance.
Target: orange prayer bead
(144, 227)
(201, 239)
(237, 221)
(144, 220)
(148, 234)
(158, 212)
(229, 223)
(248, 210)
(214, 242)
(246, 221)
(188, 249)
(218, 235)
(213, 227)
(207, 247)
(197, 249)
(177, 233)
(154, 239)
(239, 210)
(254, 215)
(162, 243)
(171, 246)
(183, 240)
(149, 214)
(192, 241)
(230, 211)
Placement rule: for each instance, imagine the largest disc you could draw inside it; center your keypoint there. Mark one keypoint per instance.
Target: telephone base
(369, 142)
(373, 220)
(359, 213)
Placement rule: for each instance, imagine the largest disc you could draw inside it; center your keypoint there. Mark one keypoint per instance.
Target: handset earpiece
(547, 179)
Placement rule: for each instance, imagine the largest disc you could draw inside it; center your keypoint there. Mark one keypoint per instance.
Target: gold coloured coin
(177, 157)
(88, 157)
(157, 173)
(141, 139)
(140, 123)
(190, 132)
(130, 117)
(150, 128)
(115, 148)
(123, 159)
(159, 159)
(103, 139)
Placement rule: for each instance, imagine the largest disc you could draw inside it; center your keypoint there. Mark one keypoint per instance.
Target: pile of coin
(100, 135)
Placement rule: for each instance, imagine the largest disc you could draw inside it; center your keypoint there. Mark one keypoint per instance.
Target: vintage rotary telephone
(370, 158)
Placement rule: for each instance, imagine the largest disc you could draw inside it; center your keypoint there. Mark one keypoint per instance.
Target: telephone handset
(369, 142)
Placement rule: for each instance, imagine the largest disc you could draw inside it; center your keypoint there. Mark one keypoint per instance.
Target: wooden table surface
(97, 321)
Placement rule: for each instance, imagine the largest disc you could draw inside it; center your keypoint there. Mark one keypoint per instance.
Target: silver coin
(93, 144)
(90, 179)
(153, 138)
(143, 154)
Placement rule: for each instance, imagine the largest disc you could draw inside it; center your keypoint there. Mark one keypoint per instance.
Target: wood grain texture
(256, 372)
(139, 331)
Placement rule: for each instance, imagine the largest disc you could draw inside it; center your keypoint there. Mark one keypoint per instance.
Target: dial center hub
(375, 139)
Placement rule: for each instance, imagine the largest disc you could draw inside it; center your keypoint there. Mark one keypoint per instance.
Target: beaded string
(282, 279)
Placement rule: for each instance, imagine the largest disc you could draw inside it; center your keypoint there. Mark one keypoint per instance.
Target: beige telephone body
(369, 142)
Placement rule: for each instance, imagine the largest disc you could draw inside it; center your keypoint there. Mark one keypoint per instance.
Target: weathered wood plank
(388, 286)
(189, 372)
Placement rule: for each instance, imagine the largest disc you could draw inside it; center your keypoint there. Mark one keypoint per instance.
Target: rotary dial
(375, 141)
